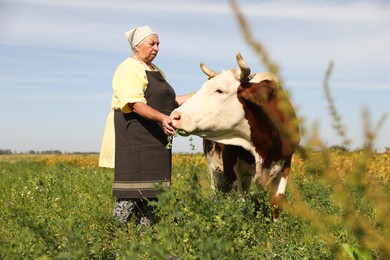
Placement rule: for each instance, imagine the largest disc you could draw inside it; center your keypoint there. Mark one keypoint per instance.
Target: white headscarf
(138, 34)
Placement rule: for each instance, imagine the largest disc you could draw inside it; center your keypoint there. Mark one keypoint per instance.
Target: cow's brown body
(275, 135)
(253, 128)
(223, 160)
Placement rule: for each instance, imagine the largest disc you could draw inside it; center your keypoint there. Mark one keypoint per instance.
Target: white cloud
(334, 84)
(57, 97)
(143, 6)
(320, 10)
(75, 46)
(313, 10)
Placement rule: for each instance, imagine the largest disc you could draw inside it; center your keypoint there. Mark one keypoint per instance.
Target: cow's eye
(219, 91)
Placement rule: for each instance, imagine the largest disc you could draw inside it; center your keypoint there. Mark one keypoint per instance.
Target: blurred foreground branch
(256, 45)
(360, 194)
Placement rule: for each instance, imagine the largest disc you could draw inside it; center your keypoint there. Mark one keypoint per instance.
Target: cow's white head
(215, 112)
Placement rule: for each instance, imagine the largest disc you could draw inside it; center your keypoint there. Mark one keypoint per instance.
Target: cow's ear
(259, 93)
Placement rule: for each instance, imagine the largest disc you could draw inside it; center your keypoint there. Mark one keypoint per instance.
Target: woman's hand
(149, 113)
(167, 126)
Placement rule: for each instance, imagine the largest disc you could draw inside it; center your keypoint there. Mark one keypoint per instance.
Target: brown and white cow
(250, 126)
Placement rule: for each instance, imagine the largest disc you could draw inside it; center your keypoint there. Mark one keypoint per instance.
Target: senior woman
(135, 137)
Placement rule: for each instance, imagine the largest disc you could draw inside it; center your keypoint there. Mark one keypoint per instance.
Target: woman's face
(147, 50)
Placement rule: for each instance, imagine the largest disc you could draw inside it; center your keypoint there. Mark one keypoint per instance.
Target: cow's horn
(245, 71)
(209, 72)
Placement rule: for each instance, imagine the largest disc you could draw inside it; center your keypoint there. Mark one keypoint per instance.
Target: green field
(60, 207)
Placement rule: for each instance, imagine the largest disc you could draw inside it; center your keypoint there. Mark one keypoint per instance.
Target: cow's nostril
(176, 116)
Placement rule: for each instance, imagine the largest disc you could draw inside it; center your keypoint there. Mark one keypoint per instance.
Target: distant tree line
(8, 151)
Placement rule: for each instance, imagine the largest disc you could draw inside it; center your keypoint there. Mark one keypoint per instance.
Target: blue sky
(57, 59)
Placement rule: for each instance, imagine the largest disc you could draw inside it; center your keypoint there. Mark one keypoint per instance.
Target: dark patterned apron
(141, 159)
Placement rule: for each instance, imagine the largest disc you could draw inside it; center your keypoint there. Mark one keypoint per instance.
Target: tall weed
(346, 207)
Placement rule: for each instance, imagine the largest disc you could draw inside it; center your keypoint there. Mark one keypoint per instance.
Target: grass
(60, 207)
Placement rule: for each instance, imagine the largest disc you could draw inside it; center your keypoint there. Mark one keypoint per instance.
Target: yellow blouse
(129, 83)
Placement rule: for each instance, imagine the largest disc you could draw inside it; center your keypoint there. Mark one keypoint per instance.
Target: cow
(250, 129)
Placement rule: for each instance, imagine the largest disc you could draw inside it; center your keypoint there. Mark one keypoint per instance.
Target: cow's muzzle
(177, 122)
